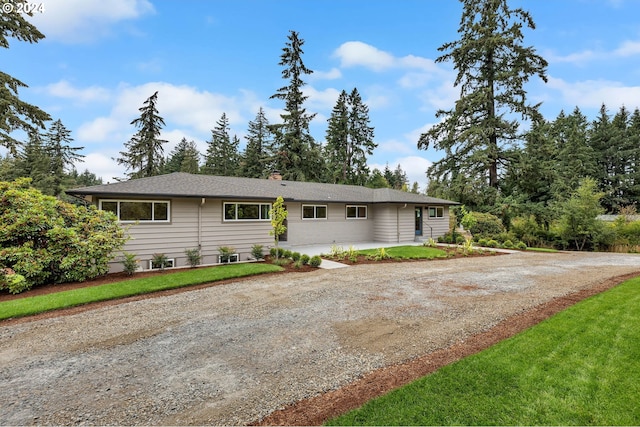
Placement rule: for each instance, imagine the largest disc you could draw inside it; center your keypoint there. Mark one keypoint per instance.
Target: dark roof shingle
(180, 184)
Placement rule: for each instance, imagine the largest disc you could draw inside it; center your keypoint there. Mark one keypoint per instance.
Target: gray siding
(435, 227)
(335, 229)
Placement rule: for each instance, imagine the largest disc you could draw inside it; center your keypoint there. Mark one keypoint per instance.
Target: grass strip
(579, 367)
(408, 252)
(553, 251)
(42, 303)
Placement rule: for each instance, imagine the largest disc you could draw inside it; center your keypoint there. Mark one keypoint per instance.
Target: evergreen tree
(34, 162)
(576, 160)
(185, 157)
(634, 172)
(84, 179)
(14, 113)
(297, 154)
(222, 154)
(144, 154)
(62, 156)
(349, 140)
(257, 159)
(493, 66)
(377, 180)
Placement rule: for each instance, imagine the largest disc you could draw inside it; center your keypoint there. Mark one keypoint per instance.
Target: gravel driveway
(232, 354)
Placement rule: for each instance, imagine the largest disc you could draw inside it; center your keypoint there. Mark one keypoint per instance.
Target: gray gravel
(232, 354)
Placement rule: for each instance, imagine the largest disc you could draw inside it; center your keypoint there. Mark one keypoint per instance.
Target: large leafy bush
(50, 241)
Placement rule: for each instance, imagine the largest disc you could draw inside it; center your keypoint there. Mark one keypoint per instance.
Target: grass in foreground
(408, 252)
(580, 367)
(41, 303)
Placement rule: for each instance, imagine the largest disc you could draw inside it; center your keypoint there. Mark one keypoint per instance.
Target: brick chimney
(275, 176)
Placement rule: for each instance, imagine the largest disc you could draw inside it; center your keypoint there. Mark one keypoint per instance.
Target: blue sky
(102, 58)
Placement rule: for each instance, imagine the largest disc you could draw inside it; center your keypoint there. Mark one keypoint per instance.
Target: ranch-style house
(171, 213)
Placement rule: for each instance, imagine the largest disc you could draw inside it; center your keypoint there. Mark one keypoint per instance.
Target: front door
(418, 221)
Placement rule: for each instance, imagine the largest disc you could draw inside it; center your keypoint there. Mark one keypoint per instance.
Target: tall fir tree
(257, 159)
(34, 162)
(61, 155)
(493, 67)
(17, 114)
(634, 172)
(222, 156)
(144, 155)
(297, 154)
(185, 157)
(349, 140)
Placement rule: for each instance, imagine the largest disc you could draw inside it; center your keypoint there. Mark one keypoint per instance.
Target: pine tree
(222, 153)
(349, 140)
(62, 156)
(634, 172)
(17, 114)
(257, 158)
(144, 154)
(34, 162)
(493, 67)
(297, 154)
(185, 157)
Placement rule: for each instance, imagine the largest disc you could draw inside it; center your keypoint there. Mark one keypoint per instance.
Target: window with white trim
(436, 212)
(246, 211)
(356, 212)
(137, 210)
(314, 211)
(170, 263)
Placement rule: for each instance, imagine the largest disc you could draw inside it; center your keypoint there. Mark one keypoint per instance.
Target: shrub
(429, 243)
(336, 252)
(492, 243)
(295, 256)
(521, 245)
(273, 251)
(281, 261)
(315, 261)
(13, 282)
(286, 253)
(226, 252)
(129, 263)
(304, 259)
(46, 240)
(257, 251)
(381, 254)
(193, 257)
(507, 244)
(297, 264)
(159, 260)
(483, 224)
(281, 252)
(482, 242)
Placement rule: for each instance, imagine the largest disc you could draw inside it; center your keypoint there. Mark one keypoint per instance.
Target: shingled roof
(180, 184)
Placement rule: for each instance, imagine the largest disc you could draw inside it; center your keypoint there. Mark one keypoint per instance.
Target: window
(137, 210)
(436, 212)
(356, 212)
(314, 212)
(247, 211)
(170, 263)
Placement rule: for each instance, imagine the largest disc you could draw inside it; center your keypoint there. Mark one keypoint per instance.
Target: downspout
(202, 201)
(398, 222)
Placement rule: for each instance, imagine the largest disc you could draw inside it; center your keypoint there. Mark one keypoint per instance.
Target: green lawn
(39, 304)
(408, 252)
(543, 250)
(580, 367)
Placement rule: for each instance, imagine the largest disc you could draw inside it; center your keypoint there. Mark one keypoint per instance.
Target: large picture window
(314, 212)
(356, 212)
(137, 210)
(436, 212)
(247, 211)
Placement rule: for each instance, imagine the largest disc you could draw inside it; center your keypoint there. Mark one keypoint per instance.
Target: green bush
(507, 244)
(159, 260)
(287, 253)
(273, 251)
(483, 224)
(315, 261)
(521, 245)
(193, 257)
(482, 242)
(129, 263)
(46, 240)
(492, 243)
(295, 256)
(13, 282)
(257, 251)
(304, 259)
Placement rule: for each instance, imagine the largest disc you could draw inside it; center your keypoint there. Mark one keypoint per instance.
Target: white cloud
(64, 89)
(102, 165)
(593, 93)
(332, 74)
(352, 54)
(79, 21)
(576, 58)
(628, 48)
(414, 166)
